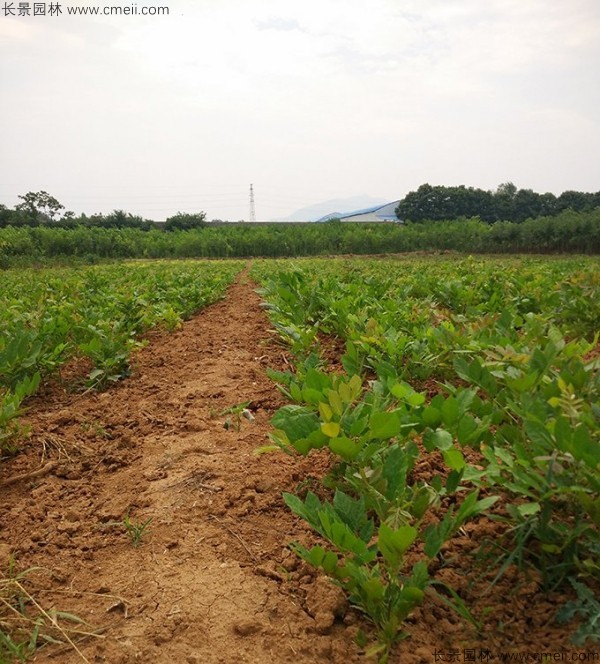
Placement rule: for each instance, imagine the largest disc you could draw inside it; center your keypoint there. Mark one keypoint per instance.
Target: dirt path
(212, 580)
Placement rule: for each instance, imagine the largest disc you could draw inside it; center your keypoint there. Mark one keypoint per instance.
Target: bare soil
(212, 580)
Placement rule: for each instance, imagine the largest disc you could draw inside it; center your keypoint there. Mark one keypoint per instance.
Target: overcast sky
(307, 100)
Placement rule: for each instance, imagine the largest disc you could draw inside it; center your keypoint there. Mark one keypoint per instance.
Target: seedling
(136, 531)
(98, 313)
(526, 352)
(237, 412)
(10, 408)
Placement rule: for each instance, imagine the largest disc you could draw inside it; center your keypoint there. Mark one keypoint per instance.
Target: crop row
(489, 365)
(51, 316)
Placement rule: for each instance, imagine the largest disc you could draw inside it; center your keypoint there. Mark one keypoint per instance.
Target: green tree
(418, 205)
(527, 205)
(577, 201)
(443, 203)
(40, 205)
(548, 201)
(504, 201)
(185, 221)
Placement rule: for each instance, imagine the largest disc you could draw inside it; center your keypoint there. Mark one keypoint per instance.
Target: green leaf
(482, 506)
(315, 441)
(431, 417)
(296, 392)
(450, 411)
(330, 429)
(412, 594)
(415, 399)
(401, 390)
(345, 448)
(454, 479)
(317, 380)
(96, 373)
(436, 535)
(358, 426)
(467, 427)
(563, 434)
(340, 534)
(440, 439)
(296, 421)
(355, 385)
(385, 425)
(529, 509)
(422, 498)
(325, 412)
(539, 435)
(361, 638)
(591, 506)
(394, 543)
(345, 393)
(336, 402)
(311, 396)
(454, 459)
(585, 448)
(523, 383)
(306, 509)
(354, 514)
(398, 460)
(556, 337)
(373, 589)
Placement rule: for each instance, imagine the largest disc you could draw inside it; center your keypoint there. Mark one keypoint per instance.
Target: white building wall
(383, 213)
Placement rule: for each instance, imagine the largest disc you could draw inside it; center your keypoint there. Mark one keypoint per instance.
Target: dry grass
(26, 625)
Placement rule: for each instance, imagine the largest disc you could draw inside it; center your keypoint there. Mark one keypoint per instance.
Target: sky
(307, 101)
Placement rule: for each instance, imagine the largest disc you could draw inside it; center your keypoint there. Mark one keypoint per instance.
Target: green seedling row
(493, 365)
(48, 317)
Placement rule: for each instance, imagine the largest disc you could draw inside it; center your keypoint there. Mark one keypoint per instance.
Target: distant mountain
(335, 206)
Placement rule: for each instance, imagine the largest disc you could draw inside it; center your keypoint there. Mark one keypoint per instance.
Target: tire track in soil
(212, 580)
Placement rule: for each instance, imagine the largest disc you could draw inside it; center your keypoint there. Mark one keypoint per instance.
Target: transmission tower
(252, 210)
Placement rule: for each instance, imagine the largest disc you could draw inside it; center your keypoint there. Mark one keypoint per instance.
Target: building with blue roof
(385, 212)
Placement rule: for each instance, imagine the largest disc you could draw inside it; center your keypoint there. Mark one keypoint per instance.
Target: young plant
(10, 409)
(545, 453)
(109, 350)
(371, 565)
(136, 530)
(238, 411)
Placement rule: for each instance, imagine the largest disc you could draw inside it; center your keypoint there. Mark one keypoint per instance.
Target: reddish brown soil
(331, 349)
(212, 580)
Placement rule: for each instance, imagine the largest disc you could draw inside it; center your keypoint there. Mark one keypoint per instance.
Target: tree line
(427, 203)
(39, 230)
(507, 203)
(41, 208)
(569, 232)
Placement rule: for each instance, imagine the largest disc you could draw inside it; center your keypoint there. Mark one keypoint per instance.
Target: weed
(96, 428)
(587, 607)
(25, 625)
(136, 530)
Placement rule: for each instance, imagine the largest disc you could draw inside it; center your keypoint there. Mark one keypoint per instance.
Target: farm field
(93, 317)
(440, 417)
